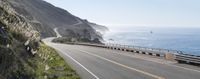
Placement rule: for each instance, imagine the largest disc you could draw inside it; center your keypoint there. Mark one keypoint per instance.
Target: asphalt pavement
(101, 63)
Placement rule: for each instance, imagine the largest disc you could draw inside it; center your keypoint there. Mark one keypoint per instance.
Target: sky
(159, 13)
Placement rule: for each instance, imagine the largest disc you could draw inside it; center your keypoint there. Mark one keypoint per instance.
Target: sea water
(184, 39)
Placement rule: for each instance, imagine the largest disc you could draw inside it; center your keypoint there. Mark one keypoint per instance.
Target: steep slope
(99, 28)
(22, 55)
(14, 31)
(50, 17)
(16, 23)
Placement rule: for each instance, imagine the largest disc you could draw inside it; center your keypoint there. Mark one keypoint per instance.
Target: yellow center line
(143, 72)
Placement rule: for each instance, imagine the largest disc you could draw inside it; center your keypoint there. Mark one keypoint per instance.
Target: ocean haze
(181, 39)
(174, 23)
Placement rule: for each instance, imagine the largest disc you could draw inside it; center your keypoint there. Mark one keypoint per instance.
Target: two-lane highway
(100, 63)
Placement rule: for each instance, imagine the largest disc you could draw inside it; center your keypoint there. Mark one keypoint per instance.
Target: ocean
(179, 38)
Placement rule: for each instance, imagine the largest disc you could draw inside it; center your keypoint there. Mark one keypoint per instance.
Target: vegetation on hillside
(68, 40)
(18, 63)
(22, 55)
(53, 66)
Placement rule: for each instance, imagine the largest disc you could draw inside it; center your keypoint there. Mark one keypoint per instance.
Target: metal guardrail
(176, 55)
(145, 48)
(127, 48)
(186, 58)
(136, 49)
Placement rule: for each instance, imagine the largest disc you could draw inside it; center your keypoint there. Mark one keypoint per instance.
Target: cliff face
(15, 30)
(49, 17)
(22, 56)
(14, 22)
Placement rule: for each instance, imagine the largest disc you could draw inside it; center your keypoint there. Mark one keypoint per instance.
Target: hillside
(22, 53)
(49, 17)
(23, 23)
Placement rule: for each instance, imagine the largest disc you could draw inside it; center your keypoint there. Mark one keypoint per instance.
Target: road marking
(155, 61)
(146, 73)
(159, 62)
(184, 68)
(80, 64)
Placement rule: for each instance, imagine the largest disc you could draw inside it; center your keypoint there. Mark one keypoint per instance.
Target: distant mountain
(45, 17)
(99, 28)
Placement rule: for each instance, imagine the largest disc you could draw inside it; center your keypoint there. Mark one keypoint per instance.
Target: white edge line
(146, 73)
(184, 68)
(157, 62)
(80, 65)
(160, 62)
(133, 57)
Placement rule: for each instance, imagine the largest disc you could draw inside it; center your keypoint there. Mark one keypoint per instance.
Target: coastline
(177, 39)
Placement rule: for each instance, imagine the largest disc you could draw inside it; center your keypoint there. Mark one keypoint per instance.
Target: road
(57, 33)
(78, 23)
(100, 63)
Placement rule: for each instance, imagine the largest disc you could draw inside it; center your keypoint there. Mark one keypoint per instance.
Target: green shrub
(58, 68)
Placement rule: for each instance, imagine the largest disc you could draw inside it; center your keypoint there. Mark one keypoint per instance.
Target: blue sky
(181, 13)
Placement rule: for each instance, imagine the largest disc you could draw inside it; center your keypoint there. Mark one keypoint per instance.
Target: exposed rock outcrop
(14, 31)
(48, 17)
(14, 22)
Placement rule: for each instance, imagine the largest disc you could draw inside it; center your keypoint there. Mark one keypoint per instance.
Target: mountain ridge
(22, 53)
(48, 16)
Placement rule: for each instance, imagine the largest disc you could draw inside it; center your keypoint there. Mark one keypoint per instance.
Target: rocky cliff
(14, 22)
(22, 54)
(15, 30)
(49, 17)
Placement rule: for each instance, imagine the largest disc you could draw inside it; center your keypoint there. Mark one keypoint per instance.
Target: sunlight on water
(183, 39)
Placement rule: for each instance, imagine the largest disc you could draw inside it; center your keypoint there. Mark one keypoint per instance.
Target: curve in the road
(111, 61)
(57, 33)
